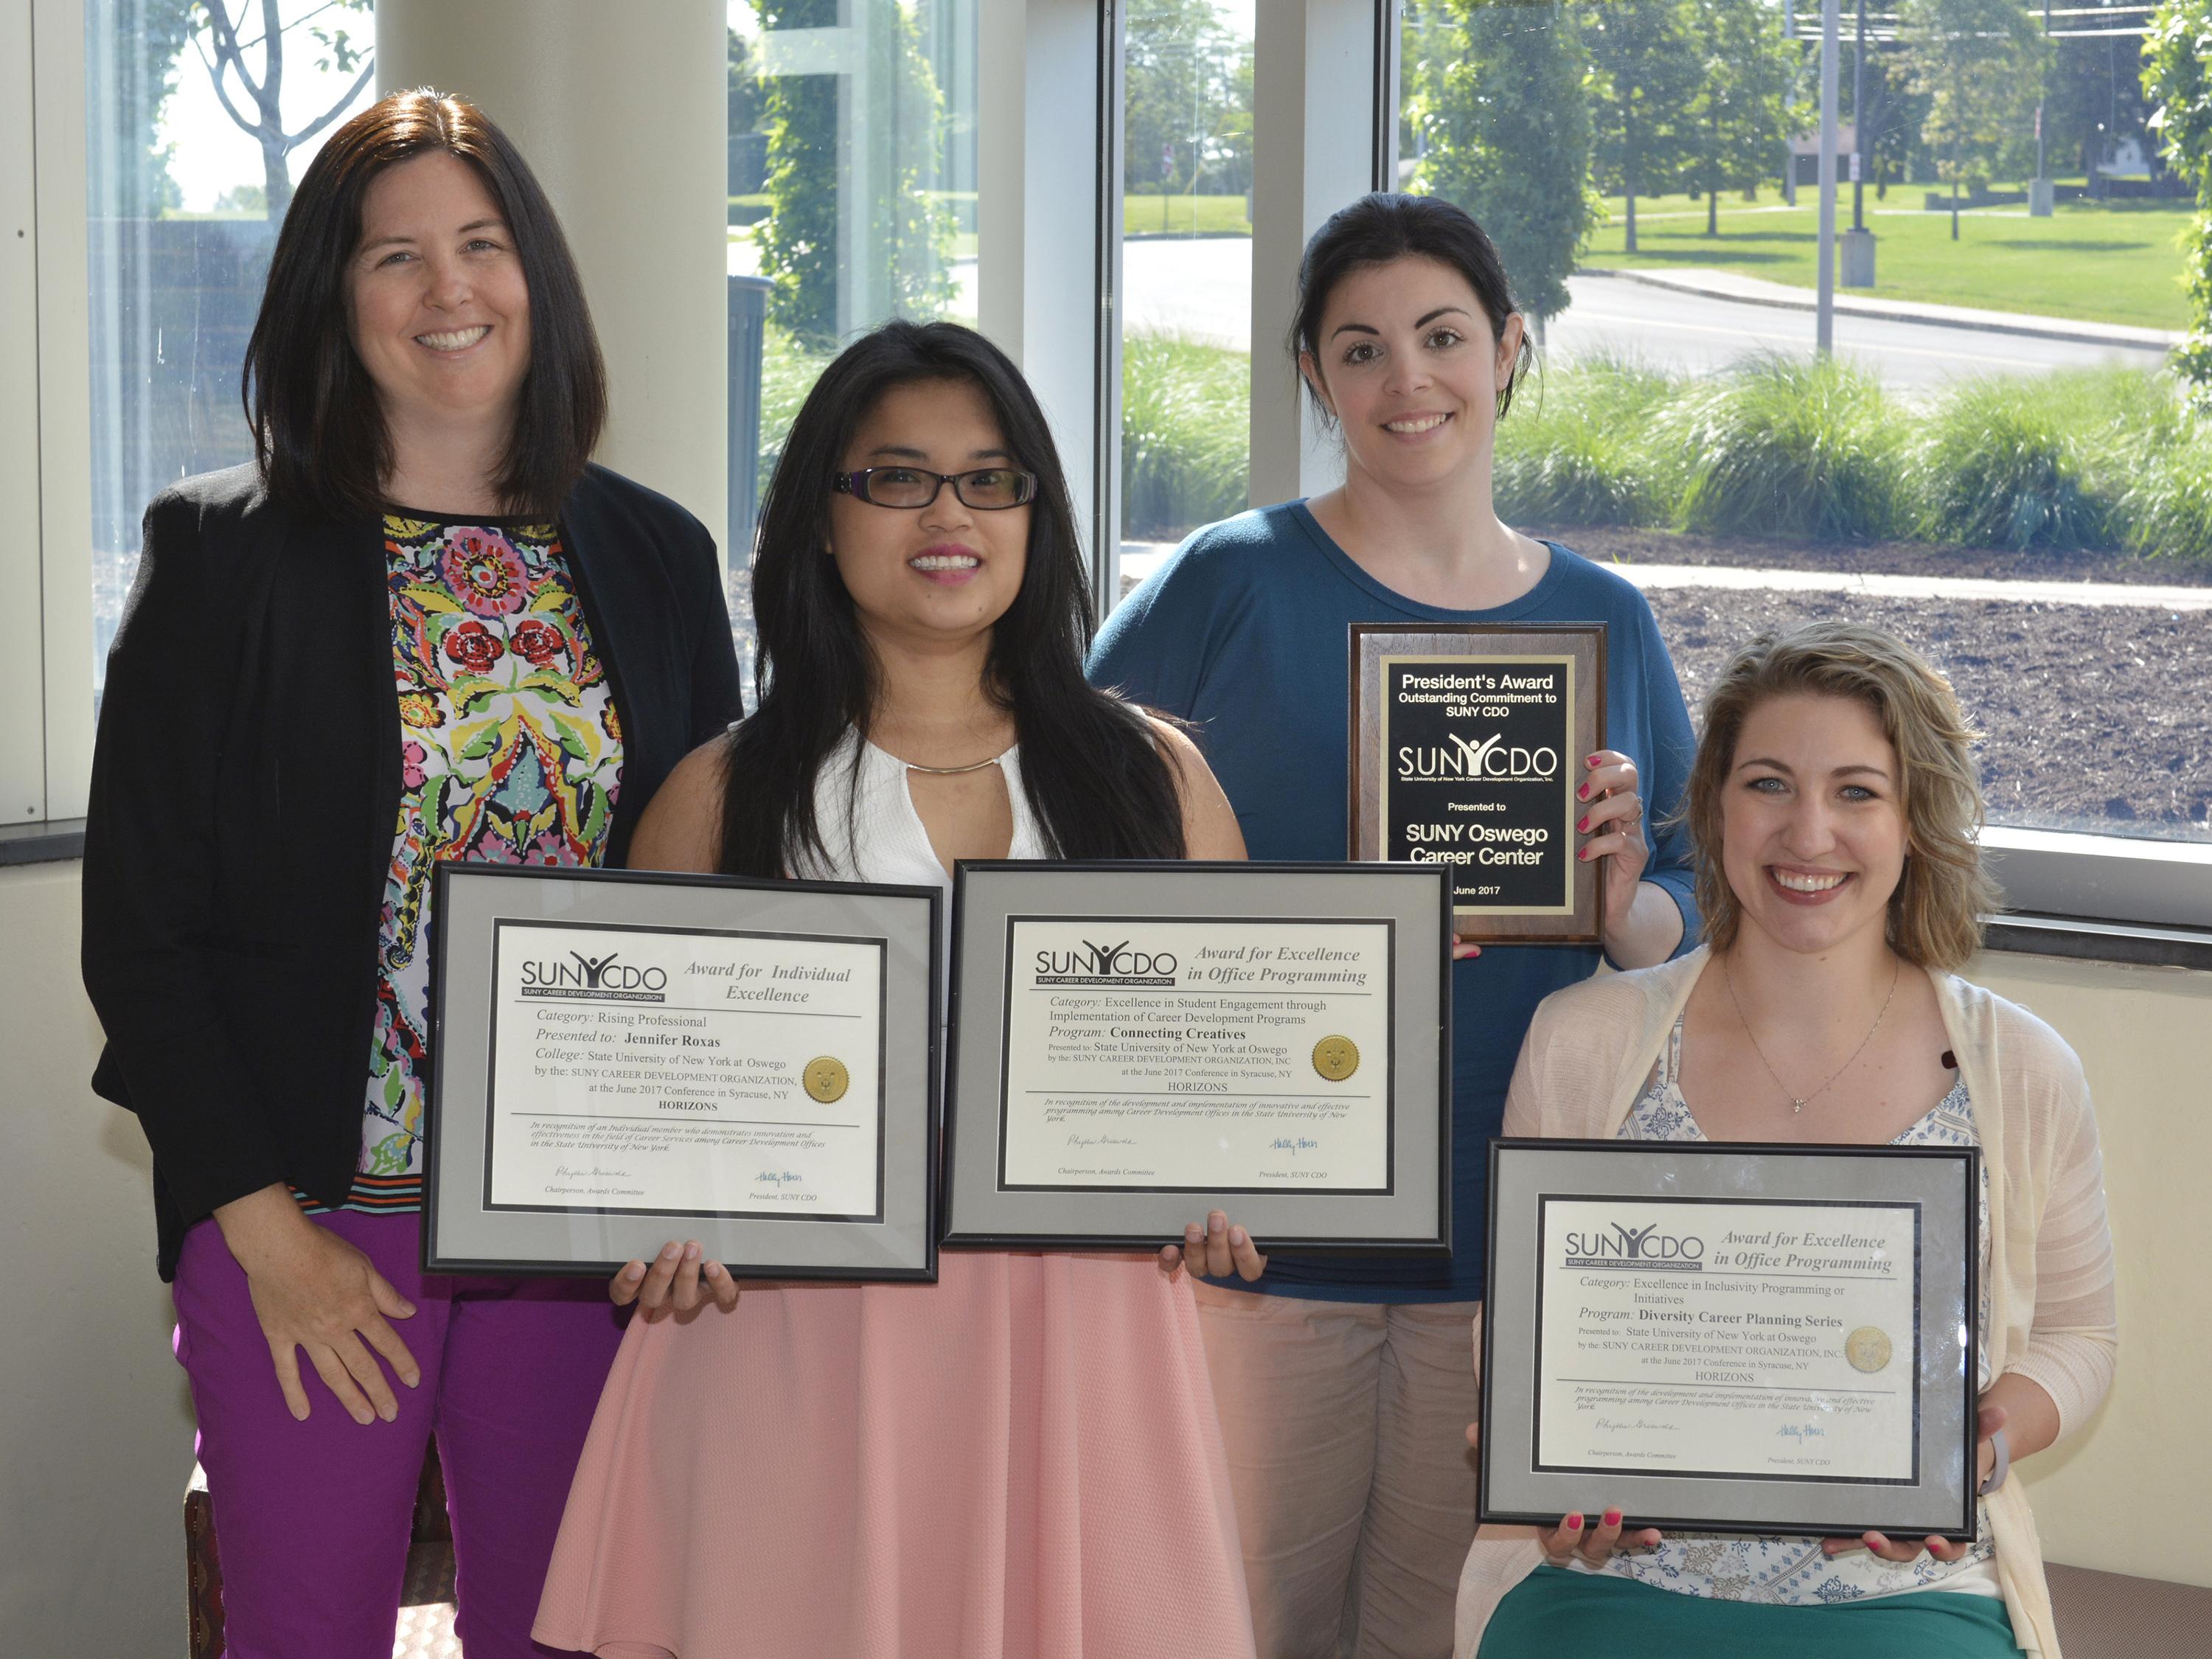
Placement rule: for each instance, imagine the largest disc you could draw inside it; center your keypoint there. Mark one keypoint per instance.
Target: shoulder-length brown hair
(1936, 913)
(319, 431)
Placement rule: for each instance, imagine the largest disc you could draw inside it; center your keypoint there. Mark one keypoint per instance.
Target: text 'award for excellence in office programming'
(1137, 1043)
(1732, 1338)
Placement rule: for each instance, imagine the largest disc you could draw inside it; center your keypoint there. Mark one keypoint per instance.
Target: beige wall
(2118, 1495)
(95, 1433)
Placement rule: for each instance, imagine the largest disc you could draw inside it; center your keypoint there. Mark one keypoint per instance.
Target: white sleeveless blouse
(872, 832)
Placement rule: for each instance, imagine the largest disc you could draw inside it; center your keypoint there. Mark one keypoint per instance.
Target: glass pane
(851, 201)
(1998, 410)
(1186, 272)
(194, 138)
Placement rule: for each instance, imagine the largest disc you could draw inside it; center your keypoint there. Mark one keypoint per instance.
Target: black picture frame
(1410, 1214)
(465, 1231)
(1941, 1184)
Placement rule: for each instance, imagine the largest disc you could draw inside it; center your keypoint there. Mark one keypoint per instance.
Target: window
(1186, 272)
(1994, 463)
(196, 132)
(853, 198)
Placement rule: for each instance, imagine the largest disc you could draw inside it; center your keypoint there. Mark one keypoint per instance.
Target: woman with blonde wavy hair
(1834, 805)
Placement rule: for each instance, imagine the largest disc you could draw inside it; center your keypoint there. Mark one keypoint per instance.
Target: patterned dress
(1796, 1571)
(511, 753)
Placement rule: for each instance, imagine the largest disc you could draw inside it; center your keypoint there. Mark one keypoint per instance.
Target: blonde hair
(1936, 913)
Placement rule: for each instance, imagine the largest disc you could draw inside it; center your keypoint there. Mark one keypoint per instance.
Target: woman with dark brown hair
(421, 626)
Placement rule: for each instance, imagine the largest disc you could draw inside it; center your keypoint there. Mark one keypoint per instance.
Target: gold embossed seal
(1867, 1348)
(1336, 1057)
(826, 1079)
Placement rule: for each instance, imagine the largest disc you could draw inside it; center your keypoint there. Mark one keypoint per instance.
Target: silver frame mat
(463, 1232)
(1407, 1212)
(1940, 1184)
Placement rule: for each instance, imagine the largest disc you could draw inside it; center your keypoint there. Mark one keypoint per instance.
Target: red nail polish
(1582, 793)
(1612, 1518)
(1582, 824)
(1589, 760)
(1574, 1523)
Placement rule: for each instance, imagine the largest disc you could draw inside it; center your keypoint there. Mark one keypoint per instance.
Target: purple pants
(313, 1517)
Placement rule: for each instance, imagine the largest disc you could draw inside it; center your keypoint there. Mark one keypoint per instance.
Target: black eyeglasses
(988, 490)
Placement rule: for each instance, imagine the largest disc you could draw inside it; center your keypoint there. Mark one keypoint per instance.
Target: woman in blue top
(1344, 1385)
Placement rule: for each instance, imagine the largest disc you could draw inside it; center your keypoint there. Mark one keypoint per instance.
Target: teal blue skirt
(1555, 1611)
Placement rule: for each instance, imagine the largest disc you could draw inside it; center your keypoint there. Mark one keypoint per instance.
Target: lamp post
(1824, 331)
(1858, 240)
(2039, 190)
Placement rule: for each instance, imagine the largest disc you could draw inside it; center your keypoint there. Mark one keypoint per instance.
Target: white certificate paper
(695, 1072)
(1230, 1055)
(1689, 1337)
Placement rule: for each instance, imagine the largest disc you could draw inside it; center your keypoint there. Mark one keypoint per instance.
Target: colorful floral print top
(1797, 1572)
(511, 753)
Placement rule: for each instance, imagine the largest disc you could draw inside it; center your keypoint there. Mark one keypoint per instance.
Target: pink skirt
(1020, 1461)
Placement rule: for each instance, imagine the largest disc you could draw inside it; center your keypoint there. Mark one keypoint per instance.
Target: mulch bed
(2097, 717)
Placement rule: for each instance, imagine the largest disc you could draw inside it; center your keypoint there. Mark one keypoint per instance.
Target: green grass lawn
(1156, 216)
(2114, 262)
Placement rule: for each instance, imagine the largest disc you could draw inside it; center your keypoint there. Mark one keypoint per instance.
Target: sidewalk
(1140, 559)
(1756, 291)
(2008, 591)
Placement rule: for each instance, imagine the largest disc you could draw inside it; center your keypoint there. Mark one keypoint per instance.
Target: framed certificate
(1135, 1043)
(1720, 1337)
(626, 1058)
(1467, 741)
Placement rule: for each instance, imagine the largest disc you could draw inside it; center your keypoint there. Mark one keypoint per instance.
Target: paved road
(1204, 289)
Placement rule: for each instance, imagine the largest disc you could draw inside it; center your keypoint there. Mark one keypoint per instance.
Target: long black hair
(1092, 766)
(1383, 226)
(319, 431)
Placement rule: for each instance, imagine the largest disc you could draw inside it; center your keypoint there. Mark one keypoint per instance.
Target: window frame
(45, 491)
(1048, 291)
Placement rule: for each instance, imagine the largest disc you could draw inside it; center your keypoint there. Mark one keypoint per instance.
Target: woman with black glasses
(996, 1464)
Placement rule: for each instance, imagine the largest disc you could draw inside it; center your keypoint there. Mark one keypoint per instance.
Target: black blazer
(244, 787)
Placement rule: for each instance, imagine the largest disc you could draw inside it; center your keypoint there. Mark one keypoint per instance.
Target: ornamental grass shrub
(1574, 448)
(1788, 447)
(2168, 504)
(2015, 464)
(1186, 434)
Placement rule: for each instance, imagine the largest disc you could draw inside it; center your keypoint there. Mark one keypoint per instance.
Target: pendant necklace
(1797, 1105)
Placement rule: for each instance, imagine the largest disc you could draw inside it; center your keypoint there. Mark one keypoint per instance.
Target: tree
(1740, 112)
(130, 76)
(216, 32)
(2176, 52)
(903, 228)
(1979, 62)
(1187, 108)
(2096, 95)
(1646, 57)
(1499, 102)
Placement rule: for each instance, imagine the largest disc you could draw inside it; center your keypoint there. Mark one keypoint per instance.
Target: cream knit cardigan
(1590, 1052)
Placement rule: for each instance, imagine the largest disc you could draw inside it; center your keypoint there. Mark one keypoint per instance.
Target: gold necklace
(949, 771)
(1797, 1105)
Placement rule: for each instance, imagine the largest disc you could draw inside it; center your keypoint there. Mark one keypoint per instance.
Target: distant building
(1805, 154)
(2128, 159)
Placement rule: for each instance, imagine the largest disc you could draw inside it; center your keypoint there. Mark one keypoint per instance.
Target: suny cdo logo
(1641, 1248)
(1493, 757)
(607, 977)
(1093, 963)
